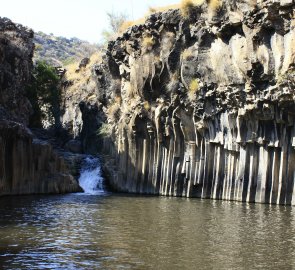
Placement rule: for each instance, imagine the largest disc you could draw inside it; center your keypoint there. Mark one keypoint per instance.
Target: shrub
(187, 55)
(214, 4)
(193, 89)
(115, 23)
(114, 111)
(118, 100)
(186, 6)
(104, 130)
(44, 92)
(152, 10)
(287, 78)
(163, 8)
(148, 42)
(125, 25)
(68, 61)
(146, 105)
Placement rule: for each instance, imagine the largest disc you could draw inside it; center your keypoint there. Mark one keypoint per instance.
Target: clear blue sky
(84, 19)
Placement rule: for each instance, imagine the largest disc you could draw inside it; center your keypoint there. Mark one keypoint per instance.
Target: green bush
(44, 92)
(105, 130)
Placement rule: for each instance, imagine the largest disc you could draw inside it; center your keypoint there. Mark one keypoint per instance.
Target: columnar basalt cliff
(203, 106)
(27, 165)
(16, 51)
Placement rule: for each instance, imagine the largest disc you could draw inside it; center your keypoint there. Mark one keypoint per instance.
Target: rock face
(27, 165)
(16, 51)
(82, 110)
(30, 166)
(203, 106)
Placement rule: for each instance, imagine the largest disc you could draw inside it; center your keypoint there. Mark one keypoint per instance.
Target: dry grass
(147, 105)
(73, 74)
(81, 79)
(114, 111)
(105, 130)
(187, 55)
(193, 89)
(148, 42)
(164, 8)
(214, 5)
(186, 6)
(151, 10)
(118, 100)
(125, 25)
(95, 58)
(173, 84)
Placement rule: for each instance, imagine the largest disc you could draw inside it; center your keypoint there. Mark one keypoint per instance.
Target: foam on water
(90, 177)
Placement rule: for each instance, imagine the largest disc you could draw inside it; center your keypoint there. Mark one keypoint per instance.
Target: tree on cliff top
(115, 22)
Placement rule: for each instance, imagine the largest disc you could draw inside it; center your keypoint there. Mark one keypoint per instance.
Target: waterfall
(90, 177)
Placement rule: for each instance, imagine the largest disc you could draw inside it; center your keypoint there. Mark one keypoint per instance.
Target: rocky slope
(202, 105)
(27, 165)
(59, 51)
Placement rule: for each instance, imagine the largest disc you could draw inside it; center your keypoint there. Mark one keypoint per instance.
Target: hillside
(60, 51)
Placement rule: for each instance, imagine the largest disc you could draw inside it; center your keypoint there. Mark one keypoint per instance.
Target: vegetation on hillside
(60, 51)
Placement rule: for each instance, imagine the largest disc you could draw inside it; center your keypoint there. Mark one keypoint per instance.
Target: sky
(84, 19)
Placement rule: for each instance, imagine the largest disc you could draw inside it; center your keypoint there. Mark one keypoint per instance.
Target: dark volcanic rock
(27, 165)
(204, 106)
(30, 166)
(16, 50)
(199, 107)
(74, 146)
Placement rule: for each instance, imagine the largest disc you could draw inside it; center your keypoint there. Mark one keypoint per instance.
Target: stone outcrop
(16, 51)
(82, 110)
(30, 166)
(27, 165)
(203, 106)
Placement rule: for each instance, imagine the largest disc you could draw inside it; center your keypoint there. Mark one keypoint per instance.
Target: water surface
(129, 232)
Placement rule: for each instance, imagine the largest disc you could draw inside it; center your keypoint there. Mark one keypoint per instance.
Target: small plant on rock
(114, 111)
(147, 105)
(214, 5)
(186, 6)
(148, 42)
(186, 55)
(104, 130)
(193, 89)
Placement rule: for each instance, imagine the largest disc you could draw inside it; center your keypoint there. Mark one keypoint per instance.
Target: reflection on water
(129, 232)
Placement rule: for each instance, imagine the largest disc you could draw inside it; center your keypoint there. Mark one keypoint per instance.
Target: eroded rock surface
(16, 51)
(27, 165)
(203, 106)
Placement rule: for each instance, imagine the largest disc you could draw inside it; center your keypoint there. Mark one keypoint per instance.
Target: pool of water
(115, 231)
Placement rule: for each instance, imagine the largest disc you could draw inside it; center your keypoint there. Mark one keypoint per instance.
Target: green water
(129, 232)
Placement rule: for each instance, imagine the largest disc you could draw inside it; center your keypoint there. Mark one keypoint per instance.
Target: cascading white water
(90, 178)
